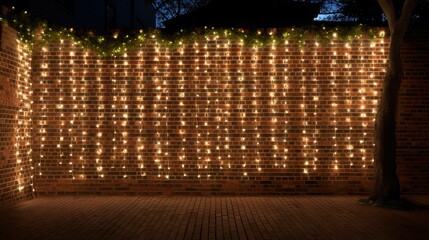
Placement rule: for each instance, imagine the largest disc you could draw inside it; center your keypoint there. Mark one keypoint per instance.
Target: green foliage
(24, 24)
(37, 33)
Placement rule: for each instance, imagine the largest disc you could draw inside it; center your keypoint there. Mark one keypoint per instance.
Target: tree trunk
(386, 181)
(386, 186)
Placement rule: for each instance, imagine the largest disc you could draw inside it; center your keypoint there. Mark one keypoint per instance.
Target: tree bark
(386, 184)
(386, 181)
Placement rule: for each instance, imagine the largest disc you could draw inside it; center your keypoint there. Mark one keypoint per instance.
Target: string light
(219, 97)
(375, 86)
(363, 108)
(141, 100)
(28, 104)
(286, 103)
(207, 143)
(124, 117)
(303, 84)
(242, 111)
(334, 89)
(223, 114)
(60, 106)
(22, 147)
(255, 96)
(43, 117)
(182, 106)
(166, 116)
(158, 112)
(273, 106)
(227, 140)
(74, 112)
(114, 114)
(20, 118)
(315, 100)
(99, 125)
(197, 119)
(349, 100)
(82, 117)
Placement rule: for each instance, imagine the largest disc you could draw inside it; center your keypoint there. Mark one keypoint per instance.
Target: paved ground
(182, 217)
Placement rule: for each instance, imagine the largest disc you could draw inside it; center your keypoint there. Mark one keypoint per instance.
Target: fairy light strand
(166, 116)
(197, 117)
(315, 94)
(115, 111)
(124, 117)
(141, 140)
(285, 103)
(334, 105)
(28, 118)
(227, 140)
(242, 111)
(218, 98)
(60, 106)
(209, 107)
(182, 106)
(363, 108)
(273, 106)
(158, 112)
(303, 84)
(71, 133)
(255, 105)
(207, 143)
(349, 104)
(83, 117)
(19, 118)
(99, 126)
(43, 117)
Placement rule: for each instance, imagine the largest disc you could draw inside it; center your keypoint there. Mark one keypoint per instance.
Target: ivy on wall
(35, 32)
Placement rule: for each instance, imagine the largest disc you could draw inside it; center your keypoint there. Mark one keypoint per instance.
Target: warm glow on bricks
(214, 114)
(212, 109)
(209, 109)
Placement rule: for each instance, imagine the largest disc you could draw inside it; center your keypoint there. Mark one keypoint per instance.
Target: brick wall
(216, 117)
(208, 117)
(15, 119)
(412, 127)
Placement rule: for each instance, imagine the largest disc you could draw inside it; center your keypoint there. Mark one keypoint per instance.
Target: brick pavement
(217, 217)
